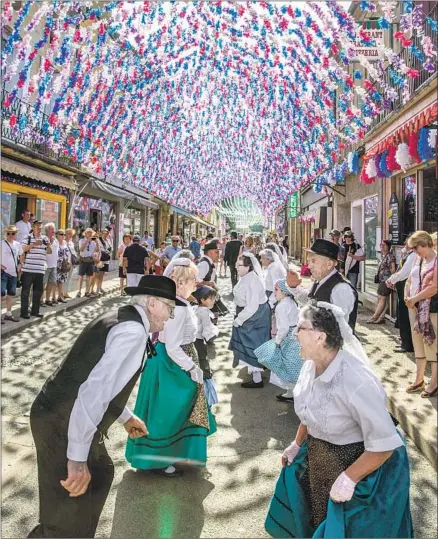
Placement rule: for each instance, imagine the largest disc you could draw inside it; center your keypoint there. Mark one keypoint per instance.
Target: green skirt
(166, 399)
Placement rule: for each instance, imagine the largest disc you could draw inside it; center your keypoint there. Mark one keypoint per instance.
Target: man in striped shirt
(35, 248)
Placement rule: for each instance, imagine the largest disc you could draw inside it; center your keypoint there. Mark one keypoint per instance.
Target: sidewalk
(110, 284)
(418, 417)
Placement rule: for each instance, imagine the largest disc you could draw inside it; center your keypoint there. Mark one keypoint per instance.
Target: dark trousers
(204, 363)
(60, 515)
(403, 318)
(233, 274)
(28, 281)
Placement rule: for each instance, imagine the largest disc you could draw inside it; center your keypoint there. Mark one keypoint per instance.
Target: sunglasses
(11, 233)
(61, 234)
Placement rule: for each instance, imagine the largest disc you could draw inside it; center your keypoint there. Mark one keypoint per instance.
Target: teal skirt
(165, 402)
(379, 507)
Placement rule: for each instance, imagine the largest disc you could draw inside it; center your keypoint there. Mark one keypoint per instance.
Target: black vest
(324, 293)
(210, 268)
(61, 389)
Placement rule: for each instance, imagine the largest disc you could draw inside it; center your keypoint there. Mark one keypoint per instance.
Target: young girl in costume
(282, 354)
(171, 398)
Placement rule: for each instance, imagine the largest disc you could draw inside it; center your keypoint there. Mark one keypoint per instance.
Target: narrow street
(227, 499)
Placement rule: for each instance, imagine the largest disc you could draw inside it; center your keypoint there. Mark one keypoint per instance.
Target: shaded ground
(227, 499)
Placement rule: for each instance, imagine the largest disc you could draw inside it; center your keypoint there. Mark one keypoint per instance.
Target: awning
(121, 193)
(27, 171)
(195, 218)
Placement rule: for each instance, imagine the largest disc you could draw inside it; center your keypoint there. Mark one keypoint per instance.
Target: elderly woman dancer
(171, 398)
(274, 270)
(346, 474)
(252, 324)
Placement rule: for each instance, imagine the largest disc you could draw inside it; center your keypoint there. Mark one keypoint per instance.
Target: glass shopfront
(430, 200)
(370, 243)
(92, 213)
(132, 222)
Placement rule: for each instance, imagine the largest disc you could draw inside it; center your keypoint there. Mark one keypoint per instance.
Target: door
(96, 220)
(357, 224)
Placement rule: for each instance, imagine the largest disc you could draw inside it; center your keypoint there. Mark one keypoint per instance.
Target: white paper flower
(403, 157)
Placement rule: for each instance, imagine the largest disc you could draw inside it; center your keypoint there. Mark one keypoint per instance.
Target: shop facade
(44, 194)
(316, 218)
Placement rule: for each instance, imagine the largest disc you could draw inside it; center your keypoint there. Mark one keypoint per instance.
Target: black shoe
(402, 350)
(25, 316)
(284, 399)
(252, 385)
(38, 315)
(162, 472)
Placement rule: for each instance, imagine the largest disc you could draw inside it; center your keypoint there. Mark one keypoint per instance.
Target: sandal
(78, 295)
(371, 321)
(380, 321)
(413, 388)
(428, 394)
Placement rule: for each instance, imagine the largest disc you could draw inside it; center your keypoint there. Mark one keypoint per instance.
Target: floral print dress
(63, 254)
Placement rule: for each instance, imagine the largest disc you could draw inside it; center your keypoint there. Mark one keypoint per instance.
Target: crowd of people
(347, 448)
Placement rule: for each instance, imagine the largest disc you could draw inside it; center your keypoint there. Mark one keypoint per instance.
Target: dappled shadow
(148, 505)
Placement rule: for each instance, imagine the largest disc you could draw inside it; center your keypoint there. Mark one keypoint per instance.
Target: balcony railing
(414, 63)
(30, 128)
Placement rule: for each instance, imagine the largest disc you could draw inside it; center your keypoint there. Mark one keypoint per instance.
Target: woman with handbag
(73, 259)
(63, 265)
(421, 299)
(384, 271)
(105, 257)
(282, 354)
(88, 252)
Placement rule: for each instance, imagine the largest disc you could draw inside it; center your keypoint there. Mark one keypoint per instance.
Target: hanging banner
(394, 220)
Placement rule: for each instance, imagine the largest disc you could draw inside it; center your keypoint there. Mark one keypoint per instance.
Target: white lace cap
(351, 342)
(256, 266)
(174, 263)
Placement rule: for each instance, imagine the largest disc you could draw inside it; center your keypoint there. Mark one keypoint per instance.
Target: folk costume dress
(172, 405)
(345, 413)
(252, 325)
(281, 355)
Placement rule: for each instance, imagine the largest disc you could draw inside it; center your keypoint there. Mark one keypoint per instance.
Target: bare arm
(429, 291)
(367, 463)
(301, 434)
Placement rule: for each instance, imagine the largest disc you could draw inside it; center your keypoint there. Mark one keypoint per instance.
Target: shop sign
(376, 35)
(394, 220)
(293, 205)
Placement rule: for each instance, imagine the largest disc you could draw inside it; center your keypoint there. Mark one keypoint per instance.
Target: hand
(293, 279)
(78, 478)
(197, 375)
(388, 283)
(410, 303)
(342, 489)
(37, 243)
(289, 454)
(135, 427)
(211, 284)
(3, 268)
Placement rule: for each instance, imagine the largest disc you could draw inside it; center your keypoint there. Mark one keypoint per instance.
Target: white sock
(170, 469)
(8, 313)
(289, 393)
(257, 377)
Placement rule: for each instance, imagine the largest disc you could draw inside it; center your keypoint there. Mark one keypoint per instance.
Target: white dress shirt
(124, 352)
(206, 329)
(342, 295)
(345, 404)
(8, 260)
(203, 269)
(249, 293)
(180, 330)
(23, 230)
(403, 273)
(286, 316)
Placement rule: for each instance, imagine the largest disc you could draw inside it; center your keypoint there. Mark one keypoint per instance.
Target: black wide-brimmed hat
(211, 246)
(155, 285)
(324, 248)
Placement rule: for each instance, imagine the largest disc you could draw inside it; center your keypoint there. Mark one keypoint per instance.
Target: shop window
(409, 205)
(9, 202)
(430, 198)
(371, 262)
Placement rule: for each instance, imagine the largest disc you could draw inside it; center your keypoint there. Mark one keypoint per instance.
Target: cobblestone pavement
(227, 499)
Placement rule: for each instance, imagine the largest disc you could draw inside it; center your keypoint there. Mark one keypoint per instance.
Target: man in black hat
(82, 399)
(329, 285)
(207, 265)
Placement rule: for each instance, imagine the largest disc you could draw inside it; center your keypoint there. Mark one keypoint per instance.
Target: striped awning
(27, 171)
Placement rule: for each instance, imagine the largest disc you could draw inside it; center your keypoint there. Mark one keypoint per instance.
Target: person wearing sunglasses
(171, 250)
(11, 269)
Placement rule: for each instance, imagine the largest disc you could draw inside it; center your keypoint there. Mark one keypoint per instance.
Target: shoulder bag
(104, 255)
(15, 262)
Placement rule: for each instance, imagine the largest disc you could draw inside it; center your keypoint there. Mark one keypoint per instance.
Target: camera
(45, 242)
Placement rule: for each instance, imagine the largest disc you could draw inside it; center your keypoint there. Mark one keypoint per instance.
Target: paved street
(227, 499)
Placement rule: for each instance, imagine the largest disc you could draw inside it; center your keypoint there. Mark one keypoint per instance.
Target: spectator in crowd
(240, 238)
(105, 257)
(285, 244)
(195, 247)
(248, 246)
(120, 253)
(158, 268)
(232, 251)
(63, 265)
(88, 247)
(11, 269)
(35, 248)
(223, 264)
(134, 261)
(421, 299)
(353, 256)
(73, 259)
(384, 271)
(24, 226)
(32, 218)
(399, 279)
(335, 236)
(51, 266)
(171, 250)
(148, 241)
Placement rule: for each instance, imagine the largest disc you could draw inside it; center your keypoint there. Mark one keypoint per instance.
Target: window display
(371, 263)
